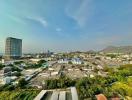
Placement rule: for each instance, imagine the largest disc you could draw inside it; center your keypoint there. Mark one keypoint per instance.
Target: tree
(41, 61)
(22, 83)
(69, 62)
(14, 68)
(1, 66)
(9, 88)
(111, 55)
(18, 62)
(18, 74)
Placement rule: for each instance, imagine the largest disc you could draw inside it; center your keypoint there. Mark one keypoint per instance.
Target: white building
(54, 73)
(64, 61)
(6, 80)
(76, 61)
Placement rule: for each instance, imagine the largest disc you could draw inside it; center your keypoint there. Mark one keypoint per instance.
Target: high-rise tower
(13, 48)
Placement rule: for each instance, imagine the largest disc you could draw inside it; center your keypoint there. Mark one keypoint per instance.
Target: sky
(66, 25)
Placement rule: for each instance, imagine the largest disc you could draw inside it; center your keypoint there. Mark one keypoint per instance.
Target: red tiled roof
(101, 97)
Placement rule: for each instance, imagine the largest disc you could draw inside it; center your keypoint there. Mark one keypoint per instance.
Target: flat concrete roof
(74, 93)
(62, 95)
(40, 95)
(55, 95)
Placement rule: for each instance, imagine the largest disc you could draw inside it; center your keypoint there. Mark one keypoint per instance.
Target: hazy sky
(64, 25)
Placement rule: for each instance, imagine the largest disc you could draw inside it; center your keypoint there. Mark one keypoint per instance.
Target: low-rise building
(6, 80)
(64, 61)
(76, 61)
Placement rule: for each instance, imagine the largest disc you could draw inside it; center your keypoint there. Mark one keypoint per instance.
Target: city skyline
(66, 25)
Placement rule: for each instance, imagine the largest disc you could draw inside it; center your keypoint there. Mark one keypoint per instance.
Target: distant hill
(114, 49)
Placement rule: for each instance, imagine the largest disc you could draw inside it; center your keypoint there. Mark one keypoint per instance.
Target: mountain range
(117, 49)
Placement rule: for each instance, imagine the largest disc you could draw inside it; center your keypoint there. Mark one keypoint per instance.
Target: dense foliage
(1, 66)
(22, 83)
(115, 83)
(27, 94)
(123, 88)
(18, 62)
(36, 65)
(62, 82)
(41, 62)
(7, 87)
(111, 55)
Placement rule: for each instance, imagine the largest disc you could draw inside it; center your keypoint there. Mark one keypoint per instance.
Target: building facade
(13, 48)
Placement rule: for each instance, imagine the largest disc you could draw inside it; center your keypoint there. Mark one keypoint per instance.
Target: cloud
(80, 13)
(16, 18)
(40, 20)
